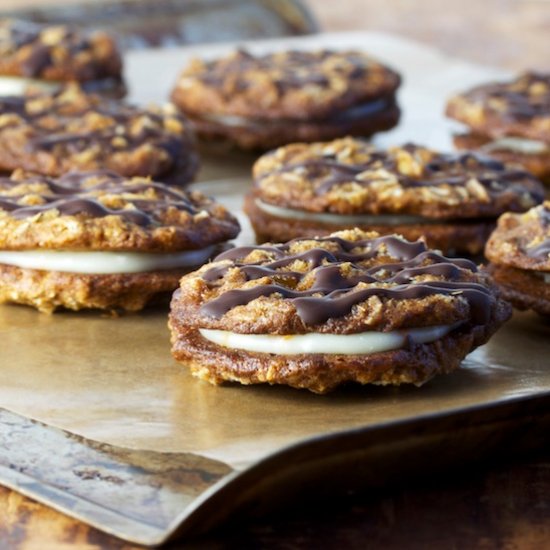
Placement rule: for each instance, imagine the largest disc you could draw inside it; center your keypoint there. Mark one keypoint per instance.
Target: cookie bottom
(524, 289)
(536, 163)
(51, 290)
(321, 373)
(452, 237)
(265, 134)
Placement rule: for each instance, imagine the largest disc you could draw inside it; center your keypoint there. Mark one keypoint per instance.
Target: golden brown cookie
(508, 120)
(99, 240)
(260, 102)
(451, 200)
(52, 134)
(519, 251)
(315, 313)
(48, 56)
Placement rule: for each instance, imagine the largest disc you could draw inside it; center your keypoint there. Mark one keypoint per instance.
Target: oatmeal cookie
(48, 56)
(508, 120)
(317, 312)
(451, 200)
(260, 102)
(519, 251)
(99, 240)
(52, 134)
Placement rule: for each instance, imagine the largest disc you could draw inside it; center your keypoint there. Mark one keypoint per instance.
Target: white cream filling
(17, 85)
(518, 145)
(229, 120)
(339, 219)
(103, 262)
(362, 343)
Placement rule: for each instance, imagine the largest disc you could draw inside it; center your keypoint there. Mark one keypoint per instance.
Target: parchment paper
(113, 380)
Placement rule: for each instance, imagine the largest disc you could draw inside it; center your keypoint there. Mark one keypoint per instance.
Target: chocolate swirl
(332, 295)
(80, 193)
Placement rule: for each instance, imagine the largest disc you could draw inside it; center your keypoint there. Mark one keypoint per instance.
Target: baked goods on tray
(453, 200)
(100, 240)
(263, 101)
(317, 312)
(519, 251)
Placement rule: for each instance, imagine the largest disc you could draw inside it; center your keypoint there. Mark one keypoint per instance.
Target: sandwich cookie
(51, 134)
(508, 120)
(260, 102)
(315, 313)
(451, 200)
(519, 252)
(46, 57)
(99, 240)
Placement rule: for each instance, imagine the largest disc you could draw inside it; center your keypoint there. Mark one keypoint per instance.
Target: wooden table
(490, 507)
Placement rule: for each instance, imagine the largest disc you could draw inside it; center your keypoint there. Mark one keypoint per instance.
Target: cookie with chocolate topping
(519, 251)
(99, 240)
(450, 200)
(316, 313)
(51, 134)
(264, 101)
(508, 120)
(46, 57)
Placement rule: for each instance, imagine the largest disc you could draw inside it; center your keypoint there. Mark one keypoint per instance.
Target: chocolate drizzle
(521, 97)
(293, 69)
(80, 193)
(443, 169)
(542, 250)
(40, 50)
(101, 128)
(332, 294)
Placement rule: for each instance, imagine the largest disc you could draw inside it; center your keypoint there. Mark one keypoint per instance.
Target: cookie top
(70, 130)
(350, 176)
(104, 211)
(348, 282)
(56, 52)
(298, 85)
(522, 240)
(517, 108)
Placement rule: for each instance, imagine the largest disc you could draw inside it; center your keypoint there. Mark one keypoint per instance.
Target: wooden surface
(512, 34)
(496, 507)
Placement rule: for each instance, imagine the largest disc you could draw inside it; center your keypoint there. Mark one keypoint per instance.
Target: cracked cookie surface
(60, 53)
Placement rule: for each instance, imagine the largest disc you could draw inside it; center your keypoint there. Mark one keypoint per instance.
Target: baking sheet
(113, 380)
